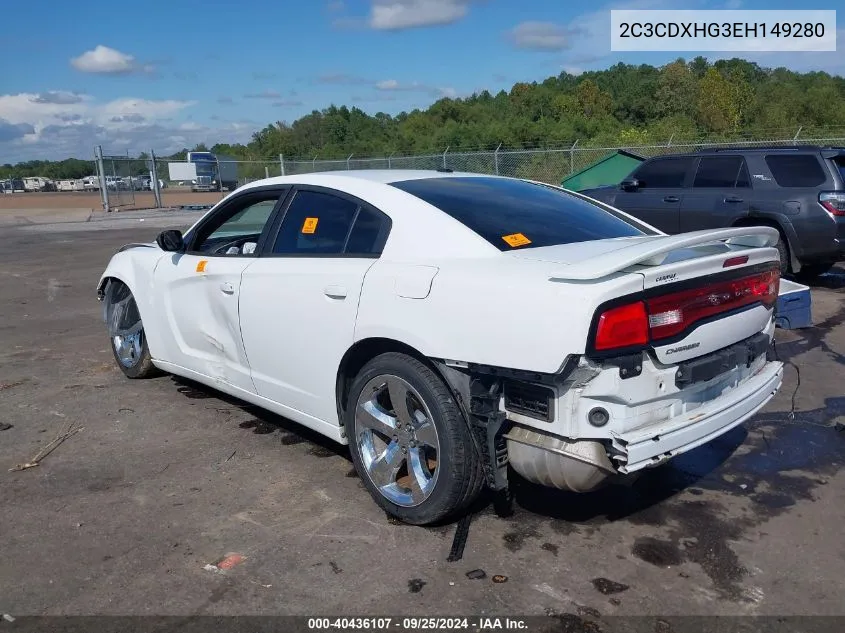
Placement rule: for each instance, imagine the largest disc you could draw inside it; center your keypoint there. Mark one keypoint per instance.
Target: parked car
(800, 191)
(13, 185)
(448, 326)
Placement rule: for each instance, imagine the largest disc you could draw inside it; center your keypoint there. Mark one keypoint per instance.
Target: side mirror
(171, 240)
(630, 184)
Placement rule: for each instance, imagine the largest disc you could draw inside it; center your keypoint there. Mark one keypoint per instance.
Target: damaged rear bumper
(653, 445)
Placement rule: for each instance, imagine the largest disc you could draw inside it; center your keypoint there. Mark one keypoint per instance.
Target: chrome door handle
(335, 292)
(227, 288)
(733, 199)
(671, 199)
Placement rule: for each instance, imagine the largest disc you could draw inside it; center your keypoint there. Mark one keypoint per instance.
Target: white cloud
(545, 36)
(60, 97)
(14, 131)
(35, 127)
(394, 15)
(266, 94)
(392, 85)
(287, 103)
(387, 84)
(108, 61)
(341, 79)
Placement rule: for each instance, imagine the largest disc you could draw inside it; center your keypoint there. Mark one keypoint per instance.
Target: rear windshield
(513, 214)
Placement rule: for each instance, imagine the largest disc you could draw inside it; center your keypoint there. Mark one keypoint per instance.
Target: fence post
(314, 163)
(669, 144)
(444, 156)
(282, 163)
(496, 158)
(572, 157)
(101, 176)
(219, 179)
(156, 186)
(795, 138)
(388, 160)
(266, 171)
(347, 161)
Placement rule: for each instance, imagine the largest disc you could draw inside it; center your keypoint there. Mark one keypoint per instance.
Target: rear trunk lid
(701, 291)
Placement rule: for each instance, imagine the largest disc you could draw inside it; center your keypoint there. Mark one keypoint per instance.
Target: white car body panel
(274, 329)
(197, 315)
(471, 301)
(298, 319)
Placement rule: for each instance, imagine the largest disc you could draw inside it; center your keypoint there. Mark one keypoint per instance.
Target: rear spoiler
(653, 251)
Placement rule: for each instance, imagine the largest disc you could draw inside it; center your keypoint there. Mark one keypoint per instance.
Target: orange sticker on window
(516, 239)
(310, 225)
(201, 265)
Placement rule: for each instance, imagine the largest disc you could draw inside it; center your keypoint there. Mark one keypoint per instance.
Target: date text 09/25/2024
(417, 624)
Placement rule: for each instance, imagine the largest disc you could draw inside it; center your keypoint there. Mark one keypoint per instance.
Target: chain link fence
(550, 165)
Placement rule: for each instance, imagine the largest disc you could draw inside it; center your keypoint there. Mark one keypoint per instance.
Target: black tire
(809, 272)
(783, 252)
(123, 316)
(459, 479)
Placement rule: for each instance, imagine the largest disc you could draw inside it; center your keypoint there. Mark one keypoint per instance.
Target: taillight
(833, 202)
(636, 324)
(622, 326)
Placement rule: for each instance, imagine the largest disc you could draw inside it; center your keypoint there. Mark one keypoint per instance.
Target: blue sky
(171, 74)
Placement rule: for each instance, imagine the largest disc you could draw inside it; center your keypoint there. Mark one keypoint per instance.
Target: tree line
(622, 105)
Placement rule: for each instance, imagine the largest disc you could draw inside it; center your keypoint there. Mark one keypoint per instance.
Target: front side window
(512, 214)
(663, 173)
(237, 228)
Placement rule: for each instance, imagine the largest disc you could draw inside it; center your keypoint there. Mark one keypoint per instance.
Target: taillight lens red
(833, 201)
(623, 326)
(665, 316)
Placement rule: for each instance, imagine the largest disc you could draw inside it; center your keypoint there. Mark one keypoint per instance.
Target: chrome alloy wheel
(397, 440)
(127, 347)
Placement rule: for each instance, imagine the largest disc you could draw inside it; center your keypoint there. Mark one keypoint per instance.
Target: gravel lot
(167, 477)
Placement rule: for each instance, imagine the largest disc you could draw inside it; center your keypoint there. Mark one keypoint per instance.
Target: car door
(198, 290)
(299, 301)
(657, 198)
(720, 193)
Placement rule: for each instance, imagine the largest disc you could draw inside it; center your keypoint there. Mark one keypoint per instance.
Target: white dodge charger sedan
(450, 327)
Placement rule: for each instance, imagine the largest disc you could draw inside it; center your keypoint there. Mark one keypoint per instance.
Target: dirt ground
(92, 200)
(167, 477)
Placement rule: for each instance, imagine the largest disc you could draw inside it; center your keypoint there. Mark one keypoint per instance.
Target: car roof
(769, 149)
(381, 176)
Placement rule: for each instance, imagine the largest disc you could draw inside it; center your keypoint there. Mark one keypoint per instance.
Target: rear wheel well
(775, 225)
(359, 355)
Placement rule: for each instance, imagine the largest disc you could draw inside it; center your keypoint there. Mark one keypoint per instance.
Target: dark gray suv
(798, 190)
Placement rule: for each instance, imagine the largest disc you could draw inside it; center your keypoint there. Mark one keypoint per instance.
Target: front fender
(135, 268)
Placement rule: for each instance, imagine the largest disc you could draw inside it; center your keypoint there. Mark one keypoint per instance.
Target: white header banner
(722, 30)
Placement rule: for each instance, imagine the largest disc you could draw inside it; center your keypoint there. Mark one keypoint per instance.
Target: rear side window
(513, 214)
(796, 170)
(663, 173)
(318, 223)
(721, 171)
